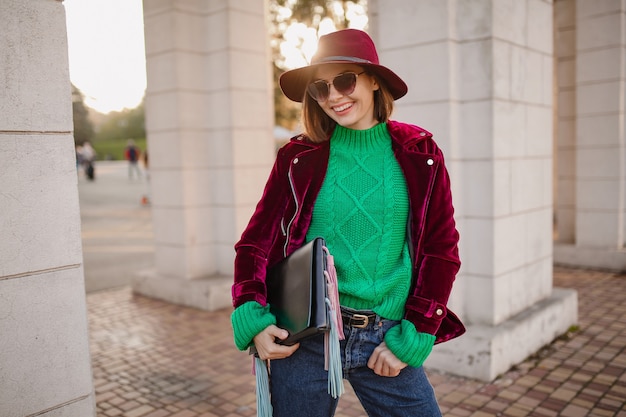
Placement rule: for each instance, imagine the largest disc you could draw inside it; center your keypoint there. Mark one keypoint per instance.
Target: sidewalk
(116, 228)
(155, 359)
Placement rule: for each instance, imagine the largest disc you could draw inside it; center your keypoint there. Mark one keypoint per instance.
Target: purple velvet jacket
(282, 217)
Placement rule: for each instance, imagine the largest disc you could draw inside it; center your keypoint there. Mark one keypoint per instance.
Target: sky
(106, 52)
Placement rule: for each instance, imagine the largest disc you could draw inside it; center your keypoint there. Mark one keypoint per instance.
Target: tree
(311, 13)
(83, 127)
(122, 125)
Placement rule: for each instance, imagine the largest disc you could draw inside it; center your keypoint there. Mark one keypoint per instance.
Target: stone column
(45, 368)
(480, 78)
(209, 114)
(565, 141)
(599, 158)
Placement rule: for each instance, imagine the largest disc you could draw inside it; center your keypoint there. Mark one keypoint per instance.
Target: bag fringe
(333, 292)
(332, 350)
(332, 354)
(263, 401)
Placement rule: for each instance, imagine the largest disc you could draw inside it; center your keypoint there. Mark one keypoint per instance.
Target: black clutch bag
(302, 293)
(297, 291)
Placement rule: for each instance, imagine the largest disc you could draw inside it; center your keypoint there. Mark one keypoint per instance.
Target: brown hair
(318, 126)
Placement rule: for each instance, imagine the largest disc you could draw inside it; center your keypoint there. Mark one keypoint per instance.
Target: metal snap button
(439, 312)
(430, 162)
(295, 161)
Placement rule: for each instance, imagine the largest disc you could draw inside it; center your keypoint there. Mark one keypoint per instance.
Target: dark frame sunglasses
(344, 83)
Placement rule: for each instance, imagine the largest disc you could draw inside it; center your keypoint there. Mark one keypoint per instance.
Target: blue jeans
(299, 383)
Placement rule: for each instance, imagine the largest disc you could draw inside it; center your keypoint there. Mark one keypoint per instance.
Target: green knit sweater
(361, 211)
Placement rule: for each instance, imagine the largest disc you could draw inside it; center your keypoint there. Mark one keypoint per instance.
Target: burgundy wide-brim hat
(344, 46)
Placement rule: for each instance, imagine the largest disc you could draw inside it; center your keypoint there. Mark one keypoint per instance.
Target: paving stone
(574, 411)
(139, 411)
(155, 359)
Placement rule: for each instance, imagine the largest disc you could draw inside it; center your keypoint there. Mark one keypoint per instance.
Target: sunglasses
(344, 84)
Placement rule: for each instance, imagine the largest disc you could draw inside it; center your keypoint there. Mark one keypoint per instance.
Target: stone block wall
(45, 367)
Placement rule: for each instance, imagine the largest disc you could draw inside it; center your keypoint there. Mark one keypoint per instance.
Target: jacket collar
(407, 135)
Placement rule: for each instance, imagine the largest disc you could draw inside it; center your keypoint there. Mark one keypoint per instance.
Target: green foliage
(123, 125)
(115, 128)
(311, 12)
(109, 134)
(113, 149)
(83, 126)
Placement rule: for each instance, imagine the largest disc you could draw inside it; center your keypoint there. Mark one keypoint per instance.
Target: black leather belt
(358, 320)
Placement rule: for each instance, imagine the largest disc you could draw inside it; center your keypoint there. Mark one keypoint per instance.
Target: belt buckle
(362, 317)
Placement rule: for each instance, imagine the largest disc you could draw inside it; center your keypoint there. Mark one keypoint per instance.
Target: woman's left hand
(384, 363)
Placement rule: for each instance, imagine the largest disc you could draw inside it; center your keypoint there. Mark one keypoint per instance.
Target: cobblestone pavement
(155, 359)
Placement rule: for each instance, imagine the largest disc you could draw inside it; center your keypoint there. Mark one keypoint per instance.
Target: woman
(379, 193)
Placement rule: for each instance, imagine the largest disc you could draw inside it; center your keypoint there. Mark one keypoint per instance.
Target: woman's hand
(266, 346)
(384, 363)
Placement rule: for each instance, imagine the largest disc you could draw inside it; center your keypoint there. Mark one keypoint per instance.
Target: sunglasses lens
(318, 90)
(345, 83)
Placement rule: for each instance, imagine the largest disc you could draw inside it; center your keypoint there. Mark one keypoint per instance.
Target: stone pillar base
(211, 293)
(589, 257)
(485, 352)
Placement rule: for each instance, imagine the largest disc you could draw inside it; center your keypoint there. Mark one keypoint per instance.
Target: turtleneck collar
(374, 138)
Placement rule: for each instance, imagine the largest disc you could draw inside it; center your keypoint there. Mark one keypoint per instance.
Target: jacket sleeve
(437, 260)
(257, 240)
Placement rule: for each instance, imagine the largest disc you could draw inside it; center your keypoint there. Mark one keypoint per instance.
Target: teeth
(342, 108)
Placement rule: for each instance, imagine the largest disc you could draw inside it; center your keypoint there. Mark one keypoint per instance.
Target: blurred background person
(88, 154)
(132, 154)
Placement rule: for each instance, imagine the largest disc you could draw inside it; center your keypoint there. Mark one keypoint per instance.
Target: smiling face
(353, 111)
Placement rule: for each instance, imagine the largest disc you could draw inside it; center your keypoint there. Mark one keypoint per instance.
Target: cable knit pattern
(362, 211)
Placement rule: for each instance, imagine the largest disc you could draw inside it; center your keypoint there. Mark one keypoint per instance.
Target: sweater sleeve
(409, 345)
(248, 320)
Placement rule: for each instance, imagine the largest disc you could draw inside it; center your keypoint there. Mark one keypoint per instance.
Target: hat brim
(293, 83)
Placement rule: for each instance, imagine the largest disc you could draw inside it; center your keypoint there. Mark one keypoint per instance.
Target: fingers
(266, 346)
(384, 363)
